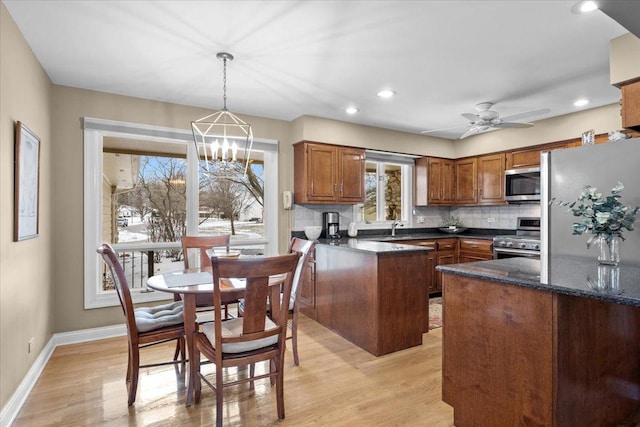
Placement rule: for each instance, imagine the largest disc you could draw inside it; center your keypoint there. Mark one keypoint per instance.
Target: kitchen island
(371, 293)
(520, 352)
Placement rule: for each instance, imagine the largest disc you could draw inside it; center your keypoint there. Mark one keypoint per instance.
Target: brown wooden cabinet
(631, 106)
(440, 179)
(330, 174)
(471, 250)
(524, 158)
(466, 181)
(491, 179)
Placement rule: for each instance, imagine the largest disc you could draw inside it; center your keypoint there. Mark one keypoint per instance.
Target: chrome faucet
(394, 224)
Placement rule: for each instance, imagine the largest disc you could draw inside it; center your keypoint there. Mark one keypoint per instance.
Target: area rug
(435, 313)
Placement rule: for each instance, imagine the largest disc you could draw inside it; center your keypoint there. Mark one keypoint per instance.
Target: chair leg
(280, 388)
(294, 337)
(134, 366)
(219, 396)
(197, 381)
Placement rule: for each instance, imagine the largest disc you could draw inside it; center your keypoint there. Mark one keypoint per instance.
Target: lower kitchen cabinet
(471, 250)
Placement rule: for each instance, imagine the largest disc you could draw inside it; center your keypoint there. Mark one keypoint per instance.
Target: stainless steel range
(525, 243)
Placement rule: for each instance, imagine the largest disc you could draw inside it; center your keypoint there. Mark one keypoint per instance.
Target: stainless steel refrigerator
(563, 175)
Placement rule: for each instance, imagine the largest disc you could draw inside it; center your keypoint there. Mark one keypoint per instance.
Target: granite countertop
(567, 275)
(371, 246)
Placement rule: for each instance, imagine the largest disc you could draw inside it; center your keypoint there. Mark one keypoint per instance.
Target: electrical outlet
(491, 220)
(420, 220)
(31, 344)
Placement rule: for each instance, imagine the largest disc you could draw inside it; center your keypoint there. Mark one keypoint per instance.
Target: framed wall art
(27, 184)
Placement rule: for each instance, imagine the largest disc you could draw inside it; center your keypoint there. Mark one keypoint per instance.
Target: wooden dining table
(191, 282)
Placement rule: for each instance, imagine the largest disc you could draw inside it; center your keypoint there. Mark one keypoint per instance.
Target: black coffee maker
(331, 225)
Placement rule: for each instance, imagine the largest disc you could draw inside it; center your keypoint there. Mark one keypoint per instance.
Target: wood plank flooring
(336, 384)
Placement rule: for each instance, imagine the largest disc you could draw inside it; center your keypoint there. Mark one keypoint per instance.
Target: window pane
(371, 192)
(231, 203)
(393, 192)
(144, 200)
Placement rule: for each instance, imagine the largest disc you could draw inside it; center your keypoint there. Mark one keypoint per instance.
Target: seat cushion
(152, 318)
(233, 328)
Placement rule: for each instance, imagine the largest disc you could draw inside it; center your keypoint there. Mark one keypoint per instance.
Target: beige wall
(26, 279)
(41, 280)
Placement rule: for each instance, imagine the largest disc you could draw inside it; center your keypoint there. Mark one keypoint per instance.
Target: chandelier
(217, 136)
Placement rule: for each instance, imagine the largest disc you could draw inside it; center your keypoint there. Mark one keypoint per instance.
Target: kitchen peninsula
(520, 352)
(374, 294)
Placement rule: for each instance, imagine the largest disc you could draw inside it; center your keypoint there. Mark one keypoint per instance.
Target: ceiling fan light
(581, 102)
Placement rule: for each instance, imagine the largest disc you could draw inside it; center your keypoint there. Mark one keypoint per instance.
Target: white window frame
(94, 130)
(406, 163)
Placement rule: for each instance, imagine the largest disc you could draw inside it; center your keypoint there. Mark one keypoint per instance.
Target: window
(387, 189)
(145, 187)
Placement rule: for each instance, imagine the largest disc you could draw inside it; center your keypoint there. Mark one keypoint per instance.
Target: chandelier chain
(224, 84)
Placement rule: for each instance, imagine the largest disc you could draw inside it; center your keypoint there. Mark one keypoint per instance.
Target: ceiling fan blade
(470, 132)
(441, 129)
(512, 125)
(470, 117)
(521, 116)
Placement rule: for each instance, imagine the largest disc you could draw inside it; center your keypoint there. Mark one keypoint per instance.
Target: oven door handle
(532, 254)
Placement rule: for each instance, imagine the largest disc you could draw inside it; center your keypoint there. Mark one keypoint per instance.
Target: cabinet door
(631, 106)
(351, 162)
(491, 179)
(527, 158)
(434, 181)
(466, 176)
(321, 164)
(440, 182)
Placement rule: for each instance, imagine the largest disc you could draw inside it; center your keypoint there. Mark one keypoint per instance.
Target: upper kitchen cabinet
(329, 174)
(491, 179)
(434, 180)
(466, 181)
(631, 106)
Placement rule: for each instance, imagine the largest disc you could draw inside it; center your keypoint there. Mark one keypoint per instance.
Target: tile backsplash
(501, 217)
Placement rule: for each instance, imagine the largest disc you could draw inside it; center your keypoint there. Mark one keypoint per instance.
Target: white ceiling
(315, 58)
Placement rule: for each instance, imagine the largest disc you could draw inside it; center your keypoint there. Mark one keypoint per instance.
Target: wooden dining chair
(146, 326)
(253, 338)
(202, 244)
(305, 249)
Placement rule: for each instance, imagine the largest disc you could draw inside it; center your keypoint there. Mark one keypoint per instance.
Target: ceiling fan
(486, 119)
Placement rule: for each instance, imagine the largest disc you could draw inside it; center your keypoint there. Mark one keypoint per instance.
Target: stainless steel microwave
(522, 185)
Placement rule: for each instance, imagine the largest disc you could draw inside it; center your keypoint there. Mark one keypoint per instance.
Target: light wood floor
(336, 384)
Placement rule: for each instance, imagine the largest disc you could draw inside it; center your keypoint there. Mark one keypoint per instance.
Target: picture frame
(26, 184)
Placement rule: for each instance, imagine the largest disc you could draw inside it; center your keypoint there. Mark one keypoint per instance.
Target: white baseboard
(12, 408)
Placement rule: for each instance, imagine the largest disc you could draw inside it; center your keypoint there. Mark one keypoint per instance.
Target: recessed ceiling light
(351, 110)
(588, 6)
(387, 93)
(581, 102)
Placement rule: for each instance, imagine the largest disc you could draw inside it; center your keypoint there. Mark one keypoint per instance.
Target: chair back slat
(256, 296)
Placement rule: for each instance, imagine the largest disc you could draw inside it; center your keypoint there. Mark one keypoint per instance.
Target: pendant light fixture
(218, 136)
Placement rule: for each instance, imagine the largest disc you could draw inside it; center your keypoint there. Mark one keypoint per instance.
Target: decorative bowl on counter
(312, 231)
(452, 229)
